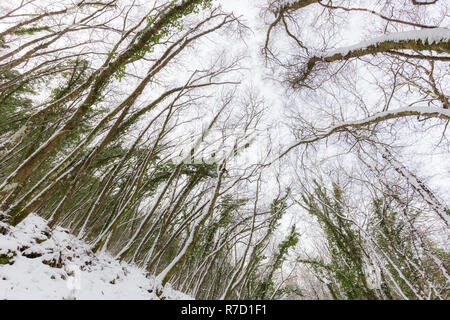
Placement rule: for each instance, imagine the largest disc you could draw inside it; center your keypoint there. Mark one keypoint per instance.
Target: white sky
(427, 162)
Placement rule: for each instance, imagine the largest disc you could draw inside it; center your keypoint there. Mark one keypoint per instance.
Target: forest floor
(37, 263)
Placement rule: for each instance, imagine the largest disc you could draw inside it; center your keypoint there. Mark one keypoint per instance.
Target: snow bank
(37, 264)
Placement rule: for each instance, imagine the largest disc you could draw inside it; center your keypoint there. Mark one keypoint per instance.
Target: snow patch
(42, 264)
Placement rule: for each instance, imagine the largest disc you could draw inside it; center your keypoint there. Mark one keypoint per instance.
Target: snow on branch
(433, 112)
(437, 36)
(437, 39)
(418, 185)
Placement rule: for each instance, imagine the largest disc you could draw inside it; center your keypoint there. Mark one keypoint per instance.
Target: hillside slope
(36, 263)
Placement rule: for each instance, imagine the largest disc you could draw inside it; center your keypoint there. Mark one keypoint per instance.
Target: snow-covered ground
(37, 264)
